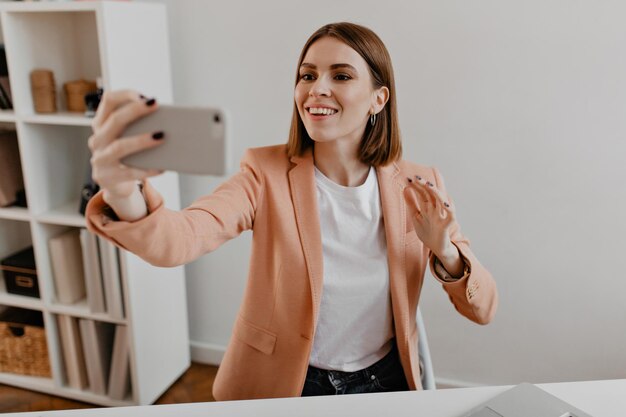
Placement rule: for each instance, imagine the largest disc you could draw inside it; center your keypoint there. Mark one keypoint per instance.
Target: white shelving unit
(126, 44)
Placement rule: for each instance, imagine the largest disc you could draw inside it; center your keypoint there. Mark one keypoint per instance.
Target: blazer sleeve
(474, 295)
(169, 238)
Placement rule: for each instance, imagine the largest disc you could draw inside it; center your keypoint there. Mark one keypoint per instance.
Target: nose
(319, 88)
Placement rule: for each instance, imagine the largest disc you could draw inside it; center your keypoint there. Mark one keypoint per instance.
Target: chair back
(426, 365)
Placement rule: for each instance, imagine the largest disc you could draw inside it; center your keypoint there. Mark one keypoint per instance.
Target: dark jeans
(384, 376)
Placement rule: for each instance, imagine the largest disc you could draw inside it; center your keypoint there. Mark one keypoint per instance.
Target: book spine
(119, 378)
(73, 352)
(92, 272)
(111, 278)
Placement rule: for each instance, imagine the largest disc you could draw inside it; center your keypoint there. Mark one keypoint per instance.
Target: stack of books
(86, 270)
(96, 356)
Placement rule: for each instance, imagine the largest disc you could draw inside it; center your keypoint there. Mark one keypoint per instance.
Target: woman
(342, 230)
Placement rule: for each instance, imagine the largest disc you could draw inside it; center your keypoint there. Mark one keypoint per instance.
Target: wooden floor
(195, 385)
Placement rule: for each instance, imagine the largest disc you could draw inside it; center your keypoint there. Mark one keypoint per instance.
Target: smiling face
(334, 94)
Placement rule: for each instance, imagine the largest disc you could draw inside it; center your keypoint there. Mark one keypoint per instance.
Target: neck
(339, 162)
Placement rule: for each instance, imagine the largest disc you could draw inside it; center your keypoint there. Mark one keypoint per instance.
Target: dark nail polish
(430, 184)
(158, 135)
(141, 96)
(410, 180)
(446, 204)
(418, 177)
(150, 102)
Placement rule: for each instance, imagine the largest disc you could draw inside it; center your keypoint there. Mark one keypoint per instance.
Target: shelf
(28, 7)
(47, 385)
(65, 215)
(22, 301)
(7, 116)
(88, 40)
(81, 309)
(15, 213)
(62, 118)
(28, 382)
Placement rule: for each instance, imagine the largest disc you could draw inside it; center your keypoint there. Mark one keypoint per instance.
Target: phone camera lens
(217, 118)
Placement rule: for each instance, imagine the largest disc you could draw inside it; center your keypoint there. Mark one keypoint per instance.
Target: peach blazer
(275, 196)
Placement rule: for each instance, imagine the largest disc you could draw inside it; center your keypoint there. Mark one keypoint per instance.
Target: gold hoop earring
(373, 119)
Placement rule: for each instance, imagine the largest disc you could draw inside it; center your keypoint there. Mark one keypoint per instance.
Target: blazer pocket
(254, 336)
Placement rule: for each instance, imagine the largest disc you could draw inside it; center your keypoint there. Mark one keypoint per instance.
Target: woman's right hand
(116, 111)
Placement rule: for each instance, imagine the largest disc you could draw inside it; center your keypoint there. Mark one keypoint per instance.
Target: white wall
(521, 104)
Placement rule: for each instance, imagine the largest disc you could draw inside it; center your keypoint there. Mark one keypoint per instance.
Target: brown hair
(381, 143)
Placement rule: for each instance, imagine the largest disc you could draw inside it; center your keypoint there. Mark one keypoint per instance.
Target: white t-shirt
(354, 327)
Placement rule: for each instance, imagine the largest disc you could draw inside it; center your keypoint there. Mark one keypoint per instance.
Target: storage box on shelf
(23, 347)
(125, 44)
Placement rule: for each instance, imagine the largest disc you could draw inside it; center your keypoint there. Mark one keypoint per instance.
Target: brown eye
(343, 77)
(306, 77)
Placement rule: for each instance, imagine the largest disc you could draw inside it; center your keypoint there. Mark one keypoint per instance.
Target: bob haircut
(381, 143)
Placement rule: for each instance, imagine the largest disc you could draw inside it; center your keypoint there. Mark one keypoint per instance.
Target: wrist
(450, 258)
(129, 208)
(449, 254)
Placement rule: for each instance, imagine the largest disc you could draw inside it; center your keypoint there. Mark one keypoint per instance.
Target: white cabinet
(126, 44)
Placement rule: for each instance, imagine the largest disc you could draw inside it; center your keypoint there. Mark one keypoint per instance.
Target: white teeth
(321, 110)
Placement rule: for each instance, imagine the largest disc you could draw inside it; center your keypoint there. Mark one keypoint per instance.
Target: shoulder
(273, 152)
(408, 169)
(267, 159)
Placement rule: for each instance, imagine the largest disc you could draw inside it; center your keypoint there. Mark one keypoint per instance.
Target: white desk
(598, 398)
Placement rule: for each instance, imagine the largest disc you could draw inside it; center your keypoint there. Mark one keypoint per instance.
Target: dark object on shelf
(20, 273)
(75, 94)
(11, 180)
(88, 191)
(20, 198)
(92, 100)
(43, 90)
(90, 188)
(6, 101)
(23, 347)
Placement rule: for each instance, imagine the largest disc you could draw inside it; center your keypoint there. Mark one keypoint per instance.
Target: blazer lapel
(394, 214)
(304, 197)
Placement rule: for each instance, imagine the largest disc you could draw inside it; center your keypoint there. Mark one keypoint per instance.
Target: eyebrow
(332, 67)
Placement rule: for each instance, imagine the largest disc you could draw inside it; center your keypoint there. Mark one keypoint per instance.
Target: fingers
(111, 177)
(123, 147)
(118, 120)
(106, 165)
(414, 199)
(431, 197)
(110, 101)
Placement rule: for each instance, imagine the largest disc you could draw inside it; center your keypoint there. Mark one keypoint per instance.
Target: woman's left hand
(433, 216)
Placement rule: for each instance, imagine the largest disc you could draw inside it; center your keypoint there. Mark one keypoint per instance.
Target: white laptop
(526, 400)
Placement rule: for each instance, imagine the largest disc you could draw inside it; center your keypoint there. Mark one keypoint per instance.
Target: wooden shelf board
(65, 215)
(18, 300)
(49, 7)
(80, 309)
(28, 382)
(58, 118)
(15, 213)
(47, 386)
(7, 116)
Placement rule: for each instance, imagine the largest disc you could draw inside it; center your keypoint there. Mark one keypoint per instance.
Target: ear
(379, 99)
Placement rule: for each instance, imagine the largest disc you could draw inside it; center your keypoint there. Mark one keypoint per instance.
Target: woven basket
(75, 92)
(23, 350)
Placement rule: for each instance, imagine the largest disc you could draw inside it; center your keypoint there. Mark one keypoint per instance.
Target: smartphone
(194, 142)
